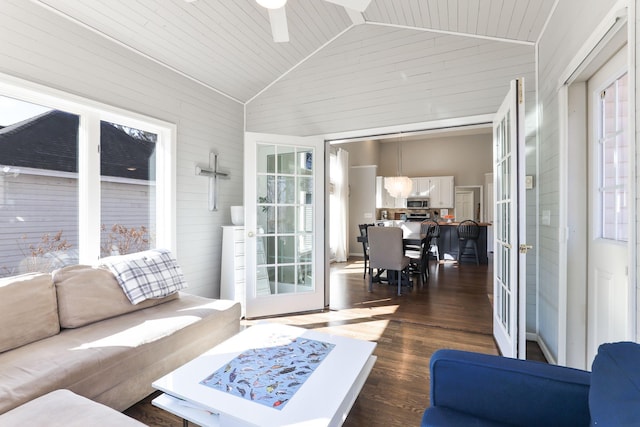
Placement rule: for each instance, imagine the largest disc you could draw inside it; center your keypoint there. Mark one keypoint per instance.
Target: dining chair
(365, 246)
(419, 255)
(432, 229)
(468, 233)
(386, 251)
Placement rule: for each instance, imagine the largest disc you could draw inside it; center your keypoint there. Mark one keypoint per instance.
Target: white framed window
(80, 180)
(613, 160)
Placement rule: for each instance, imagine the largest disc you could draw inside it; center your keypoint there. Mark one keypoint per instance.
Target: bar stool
(468, 232)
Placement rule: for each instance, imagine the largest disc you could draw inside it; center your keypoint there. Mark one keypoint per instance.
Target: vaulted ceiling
(227, 44)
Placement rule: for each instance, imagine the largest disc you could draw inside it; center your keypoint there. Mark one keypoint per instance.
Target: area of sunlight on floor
(345, 322)
(349, 268)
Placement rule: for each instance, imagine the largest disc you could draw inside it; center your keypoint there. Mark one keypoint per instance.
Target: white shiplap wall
(375, 76)
(557, 47)
(40, 46)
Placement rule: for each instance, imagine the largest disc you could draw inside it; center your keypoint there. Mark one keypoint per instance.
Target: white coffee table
(324, 398)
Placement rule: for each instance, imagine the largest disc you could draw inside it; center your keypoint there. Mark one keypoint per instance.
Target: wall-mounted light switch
(528, 182)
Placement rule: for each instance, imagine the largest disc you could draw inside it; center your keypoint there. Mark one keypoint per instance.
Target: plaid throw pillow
(149, 274)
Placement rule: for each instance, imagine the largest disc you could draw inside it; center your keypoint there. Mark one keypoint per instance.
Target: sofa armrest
(510, 391)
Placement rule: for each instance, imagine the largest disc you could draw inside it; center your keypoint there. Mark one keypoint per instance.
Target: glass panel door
(284, 212)
(509, 294)
(284, 224)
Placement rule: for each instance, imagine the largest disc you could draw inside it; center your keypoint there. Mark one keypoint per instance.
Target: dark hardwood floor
(452, 310)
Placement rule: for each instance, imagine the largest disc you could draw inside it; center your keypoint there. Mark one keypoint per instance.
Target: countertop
(398, 223)
(455, 223)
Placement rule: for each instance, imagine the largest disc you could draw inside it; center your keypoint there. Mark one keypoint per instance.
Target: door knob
(251, 234)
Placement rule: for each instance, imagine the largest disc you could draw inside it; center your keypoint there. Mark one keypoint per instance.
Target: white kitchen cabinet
(384, 200)
(232, 276)
(420, 187)
(441, 192)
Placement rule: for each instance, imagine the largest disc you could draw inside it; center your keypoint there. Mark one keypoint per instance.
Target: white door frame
(571, 98)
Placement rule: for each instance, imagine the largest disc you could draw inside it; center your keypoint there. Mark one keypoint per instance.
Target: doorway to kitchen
(430, 149)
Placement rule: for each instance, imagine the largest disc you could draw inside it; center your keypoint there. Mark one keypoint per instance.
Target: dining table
(409, 239)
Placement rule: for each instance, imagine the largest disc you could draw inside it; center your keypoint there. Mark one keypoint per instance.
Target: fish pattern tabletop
(272, 374)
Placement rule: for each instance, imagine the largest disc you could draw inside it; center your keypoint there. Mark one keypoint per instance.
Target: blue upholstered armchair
(470, 389)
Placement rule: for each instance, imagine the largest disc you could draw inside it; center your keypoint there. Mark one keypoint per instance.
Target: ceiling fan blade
(279, 27)
(359, 5)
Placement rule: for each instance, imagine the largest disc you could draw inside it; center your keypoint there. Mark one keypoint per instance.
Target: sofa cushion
(114, 361)
(614, 397)
(88, 294)
(65, 409)
(28, 310)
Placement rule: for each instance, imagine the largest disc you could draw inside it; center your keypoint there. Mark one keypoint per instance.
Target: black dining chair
(432, 229)
(468, 234)
(386, 251)
(365, 246)
(419, 255)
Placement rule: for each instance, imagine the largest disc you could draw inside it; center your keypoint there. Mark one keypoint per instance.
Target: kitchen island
(448, 243)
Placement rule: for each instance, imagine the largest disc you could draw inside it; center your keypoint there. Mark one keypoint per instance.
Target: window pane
(128, 189)
(38, 188)
(614, 162)
(286, 160)
(305, 163)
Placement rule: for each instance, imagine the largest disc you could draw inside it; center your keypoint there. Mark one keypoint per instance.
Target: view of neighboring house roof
(50, 141)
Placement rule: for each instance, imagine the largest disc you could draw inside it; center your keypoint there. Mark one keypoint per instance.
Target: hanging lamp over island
(399, 185)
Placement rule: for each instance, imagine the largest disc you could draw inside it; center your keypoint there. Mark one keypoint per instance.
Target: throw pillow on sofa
(89, 294)
(28, 310)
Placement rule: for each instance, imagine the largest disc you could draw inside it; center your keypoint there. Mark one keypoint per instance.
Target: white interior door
(509, 264)
(284, 222)
(609, 220)
(465, 205)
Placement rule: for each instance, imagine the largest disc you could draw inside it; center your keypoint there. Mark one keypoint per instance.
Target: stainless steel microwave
(417, 203)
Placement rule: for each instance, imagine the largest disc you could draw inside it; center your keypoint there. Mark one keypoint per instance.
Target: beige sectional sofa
(75, 329)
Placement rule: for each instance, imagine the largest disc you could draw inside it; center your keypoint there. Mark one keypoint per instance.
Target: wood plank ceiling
(227, 45)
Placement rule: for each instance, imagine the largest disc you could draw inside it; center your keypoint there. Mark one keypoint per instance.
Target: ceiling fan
(278, 16)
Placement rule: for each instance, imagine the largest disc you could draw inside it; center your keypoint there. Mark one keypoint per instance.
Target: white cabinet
(384, 200)
(233, 284)
(441, 192)
(232, 276)
(421, 187)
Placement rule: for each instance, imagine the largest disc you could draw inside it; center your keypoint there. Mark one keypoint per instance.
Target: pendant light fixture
(399, 185)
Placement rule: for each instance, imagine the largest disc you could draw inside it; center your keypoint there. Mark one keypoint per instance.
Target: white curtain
(340, 206)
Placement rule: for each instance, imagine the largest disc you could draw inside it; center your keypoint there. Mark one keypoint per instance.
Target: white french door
(284, 224)
(509, 288)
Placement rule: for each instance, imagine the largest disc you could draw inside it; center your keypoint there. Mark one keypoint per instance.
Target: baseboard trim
(531, 336)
